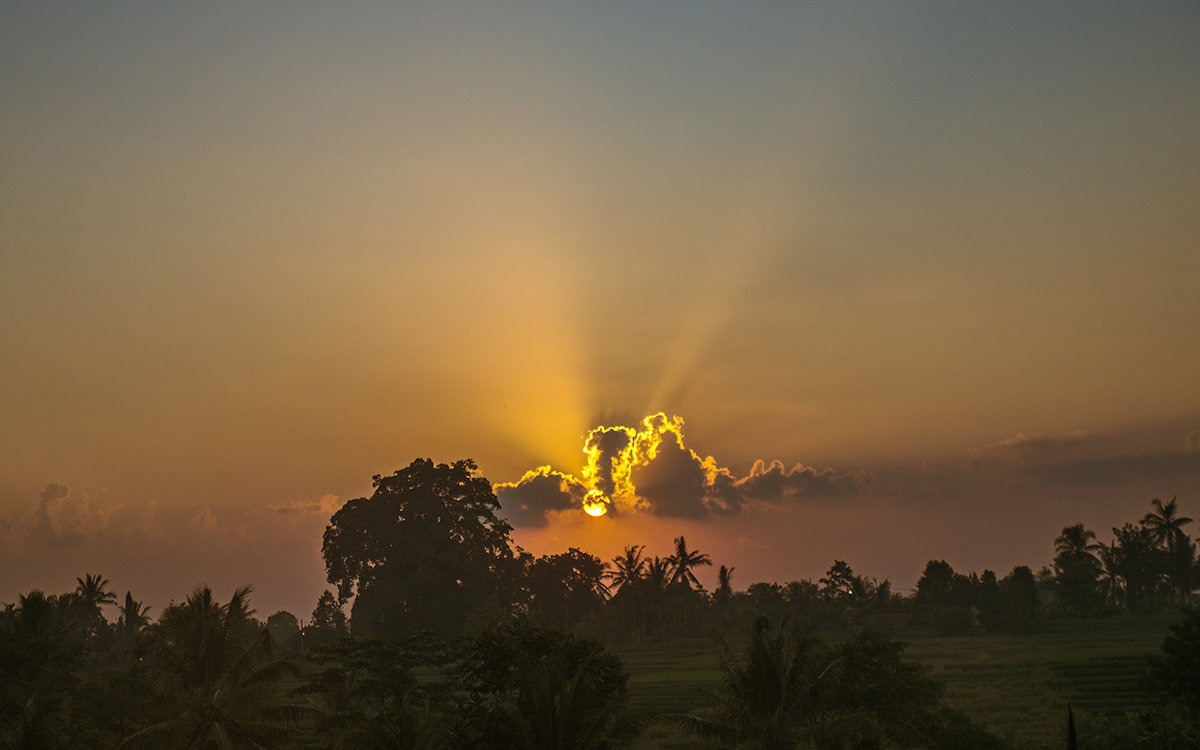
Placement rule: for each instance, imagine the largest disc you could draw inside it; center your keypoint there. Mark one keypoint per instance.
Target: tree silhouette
(767, 697)
(425, 551)
(1077, 570)
(629, 568)
(216, 677)
(1166, 529)
(1165, 525)
(328, 622)
(134, 618)
(1134, 566)
(566, 586)
(683, 561)
(92, 591)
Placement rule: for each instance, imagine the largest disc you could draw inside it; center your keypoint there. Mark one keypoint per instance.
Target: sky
(878, 282)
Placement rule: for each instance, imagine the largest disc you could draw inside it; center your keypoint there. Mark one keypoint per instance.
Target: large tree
(425, 551)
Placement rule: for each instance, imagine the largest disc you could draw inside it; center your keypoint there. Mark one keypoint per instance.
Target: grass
(1017, 686)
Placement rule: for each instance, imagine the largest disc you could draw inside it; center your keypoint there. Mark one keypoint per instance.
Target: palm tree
(133, 618)
(1165, 526)
(767, 698)
(1166, 529)
(683, 561)
(92, 592)
(629, 568)
(658, 576)
(218, 678)
(724, 582)
(1076, 543)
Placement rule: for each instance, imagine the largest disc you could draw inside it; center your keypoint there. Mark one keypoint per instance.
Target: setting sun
(595, 504)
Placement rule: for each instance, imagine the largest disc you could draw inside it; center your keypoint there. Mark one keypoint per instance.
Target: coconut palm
(1165, 525)
(133, 618)
(92, 593)
(684, 561)
(629, 568)
(768, 698)
(217, 678)
(724, 582)
(1166, 529)
(1076, 543)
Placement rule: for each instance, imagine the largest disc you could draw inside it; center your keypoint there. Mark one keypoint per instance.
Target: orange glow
(595, 504)
(595, 509)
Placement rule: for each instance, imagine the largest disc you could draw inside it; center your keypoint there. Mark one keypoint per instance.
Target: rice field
(1016, 686)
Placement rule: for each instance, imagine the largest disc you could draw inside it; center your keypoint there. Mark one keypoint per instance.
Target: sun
(595, 504)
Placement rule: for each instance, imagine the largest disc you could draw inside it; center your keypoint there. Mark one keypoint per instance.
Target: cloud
(1148, 469)
(540, 491)
(326, 505)
(650, 469)
(772, 483)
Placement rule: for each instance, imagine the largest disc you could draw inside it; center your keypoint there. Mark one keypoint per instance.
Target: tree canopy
(424, 551)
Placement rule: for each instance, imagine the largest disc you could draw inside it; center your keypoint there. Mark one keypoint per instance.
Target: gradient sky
(253, 254)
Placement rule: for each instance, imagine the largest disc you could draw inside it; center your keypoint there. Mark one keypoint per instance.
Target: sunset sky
(939, 261)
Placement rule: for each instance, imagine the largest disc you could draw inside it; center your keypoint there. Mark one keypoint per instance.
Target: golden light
(595, 509)
(595, 504)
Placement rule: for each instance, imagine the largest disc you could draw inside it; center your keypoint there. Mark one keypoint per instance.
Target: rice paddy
(1017, 686)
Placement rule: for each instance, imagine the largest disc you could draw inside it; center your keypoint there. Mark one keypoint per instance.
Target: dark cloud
(541, 491)
(674, 482)
(610, 443)
(772, 483)
(1150, 469)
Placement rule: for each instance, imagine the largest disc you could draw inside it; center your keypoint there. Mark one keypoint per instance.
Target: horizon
(903, 282)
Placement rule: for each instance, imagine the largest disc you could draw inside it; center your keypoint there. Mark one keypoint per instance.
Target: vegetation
(458, 640)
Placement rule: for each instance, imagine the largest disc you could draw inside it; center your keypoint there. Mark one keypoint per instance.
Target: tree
(1165, 525)
(1166, 529)
(943, 599)
(284, 628)
(328, 623)
(629, 568)
(1020, 607)
(425, 551)
(1077, 571)
(216, 678)
(92, 592)
(1135, 565)
(371, 697)
(567, 586)
(534, 687)
(683, 561)
(767, 697)
(1176, 672)
(134, 617)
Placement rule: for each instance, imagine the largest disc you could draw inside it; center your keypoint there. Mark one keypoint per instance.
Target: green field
(1016, 686)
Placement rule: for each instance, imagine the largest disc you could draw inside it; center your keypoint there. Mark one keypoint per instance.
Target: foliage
(1175, 674)
(943, 599)
(533, 687)
(215, 677)
(370, 696)
(328, 623)
(1077, 571)
(565, 587)
(425, 551)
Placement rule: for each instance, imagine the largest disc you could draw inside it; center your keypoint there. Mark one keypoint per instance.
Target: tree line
(457, 638)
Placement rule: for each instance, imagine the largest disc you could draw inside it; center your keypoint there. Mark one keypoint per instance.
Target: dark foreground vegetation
(457, 639)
